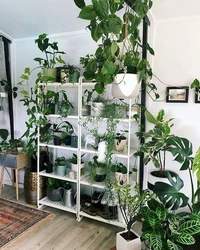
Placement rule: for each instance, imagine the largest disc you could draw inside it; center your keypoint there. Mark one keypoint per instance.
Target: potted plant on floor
(121, 47)
(52, 56)
(162, 229)
(180, 229)
(161, 143)
(131, 208)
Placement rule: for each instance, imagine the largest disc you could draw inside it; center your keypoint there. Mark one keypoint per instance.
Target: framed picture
(197, 95)
(177, 94)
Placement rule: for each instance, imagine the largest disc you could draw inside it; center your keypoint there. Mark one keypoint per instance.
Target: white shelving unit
(82, 182)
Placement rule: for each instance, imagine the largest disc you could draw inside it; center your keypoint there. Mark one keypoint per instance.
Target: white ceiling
(26, 18)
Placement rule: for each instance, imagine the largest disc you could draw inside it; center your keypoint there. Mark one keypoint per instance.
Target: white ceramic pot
(123, 244)
(153, 179)
(75, 168)
(97, 109)
(126, 86)
(121, 179)
(121, 146)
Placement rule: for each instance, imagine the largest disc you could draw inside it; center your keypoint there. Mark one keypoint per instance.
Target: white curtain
(4, 108)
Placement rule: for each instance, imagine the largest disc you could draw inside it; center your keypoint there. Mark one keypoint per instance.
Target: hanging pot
(126, 86)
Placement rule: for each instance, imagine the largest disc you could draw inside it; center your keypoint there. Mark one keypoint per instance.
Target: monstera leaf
(170, 195)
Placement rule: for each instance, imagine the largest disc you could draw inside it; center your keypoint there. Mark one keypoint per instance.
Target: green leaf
(185, 239)
(25, 77)
(4, 134)
(196, 164)
(101, 7)
(27, 71)
(189, 227)
(88, 13)
(114, 5)
(96, 32)
(92, 66)
(172, 245)
(114, 47)
(99, 88)
(156, 241)
(114, 24)
(109, 67)
(169, 194)
(80, 3)
(150, 118)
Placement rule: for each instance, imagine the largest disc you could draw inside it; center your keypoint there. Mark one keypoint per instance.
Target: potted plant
(162, 229)
(74, 73)
(161, 143)
(86, 99)
(62, 131)
(97, 170)
(52, 56)
(97, 107)
(121, 141)
(120, 49)
(55, 189)
(130, 207)
(50, 101)
(114, 110)
(60, 166)
(74, 163)
(65, 106)
(120, 171)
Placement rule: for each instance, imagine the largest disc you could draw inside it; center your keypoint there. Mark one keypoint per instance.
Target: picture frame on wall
(197, 95)
(177, 94)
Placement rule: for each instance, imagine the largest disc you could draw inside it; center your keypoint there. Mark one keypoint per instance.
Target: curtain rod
(6, 39)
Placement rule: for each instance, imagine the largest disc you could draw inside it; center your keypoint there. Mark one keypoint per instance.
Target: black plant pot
(99, 177)
(67, 140)
(57, 140)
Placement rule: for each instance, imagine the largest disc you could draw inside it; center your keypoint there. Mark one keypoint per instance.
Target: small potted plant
(52, 55)
(114, 110)
(60, 166)
(74, 73)
(55, 189)
(130, 207)
(97, 170)
(74, 163)
(97, 108)
(121, 141)
(86, 99)
(62, 131)
(65, 106)
(50, 101)
(120, 171)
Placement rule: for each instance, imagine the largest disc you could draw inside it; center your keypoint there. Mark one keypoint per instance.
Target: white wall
(177, 63)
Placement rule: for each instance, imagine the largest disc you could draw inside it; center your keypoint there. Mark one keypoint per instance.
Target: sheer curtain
(4, 105)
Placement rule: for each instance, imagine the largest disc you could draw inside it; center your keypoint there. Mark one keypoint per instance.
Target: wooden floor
(63, 232)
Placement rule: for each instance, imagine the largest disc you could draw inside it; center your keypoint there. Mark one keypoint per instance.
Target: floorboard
(63, 232)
